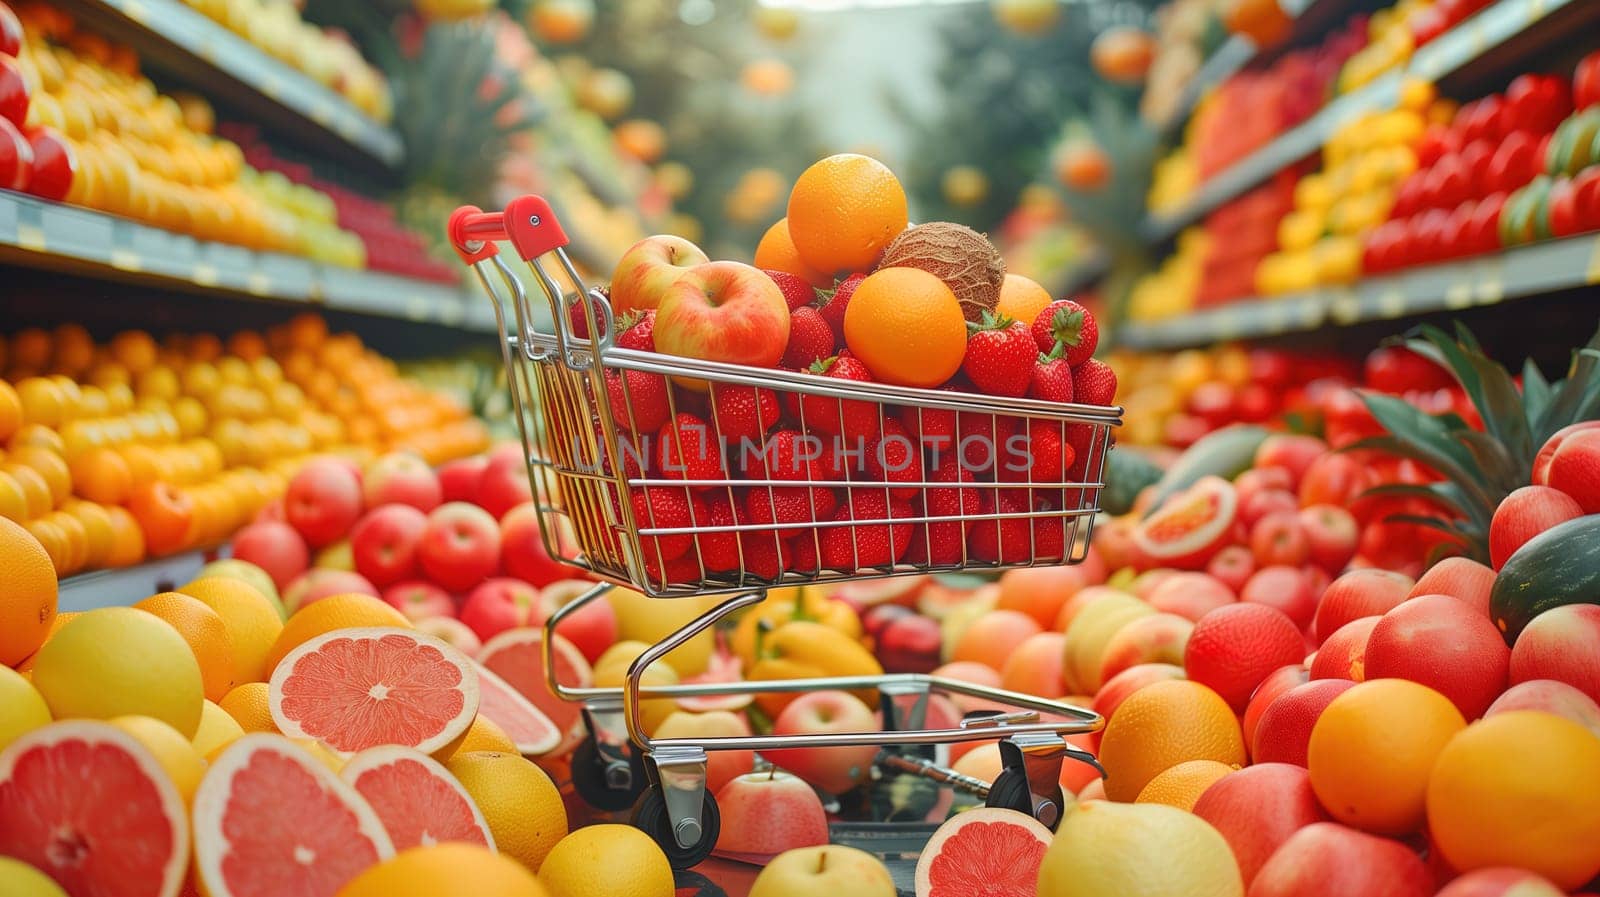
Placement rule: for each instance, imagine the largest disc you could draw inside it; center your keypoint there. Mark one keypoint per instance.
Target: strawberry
(804, 559)
(1045, 459)
(1094, 383)
(787, 454)
(638, 400)
(1006, 539)
(810, 338)
(743, 412)
(833, 304)
(856, 420)
(1069, 325)
(1000, 355)
(943, 541)
(637, 330)
(1052, 379)
(765, 555)
(796, 292)
(576, 317)
(719, 551)
(933, 429)
(788, 505)
(872, 541)
(682, 570)
(666, 507)
(687, 449)
(894, 458)
(982, 439)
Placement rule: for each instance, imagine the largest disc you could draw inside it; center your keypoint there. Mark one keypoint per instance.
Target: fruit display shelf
(42, 234)
(1485, 41)
(123, 586)
(183, 44)
(1459, 284)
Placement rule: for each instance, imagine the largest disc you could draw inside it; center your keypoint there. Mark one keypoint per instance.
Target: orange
(10, 411)
(843, 211)
(1181, 785)
(1519, 789)
(30, 350)
(248, 706)
(1162, 725)
(327, 614)
(907, 327)
(127, 539)
(13, 501)
(251, 618)
(134, 350)
(204, 346)
(74, 351)
(35, 489)
(27, 593)
(307, 331)
(1021, 299)
(37, 434)
(1372, 749)
(159, 381)
(206, 634)
(50, 466)
(247, 344)
(163, 513)
(43, 401)
(101, 475)
(96, 523)
(75, 538)
(54, 542)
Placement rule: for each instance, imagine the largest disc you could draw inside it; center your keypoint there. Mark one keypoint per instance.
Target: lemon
(611, 671)
(482, 735)
(453, 868)
(610, 860)
(118, 661)
(1105, 849)
(21, 708)
(650, 620)
(244, 571)
(217, 730)
(18, 879)
(178, 758)
(518, 800)
(252, 621)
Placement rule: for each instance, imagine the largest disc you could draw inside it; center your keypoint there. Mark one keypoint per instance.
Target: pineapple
(1480, 467)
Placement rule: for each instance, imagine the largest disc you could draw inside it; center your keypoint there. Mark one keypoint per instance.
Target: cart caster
(1009, 791)
(650, 815)
(604, 781)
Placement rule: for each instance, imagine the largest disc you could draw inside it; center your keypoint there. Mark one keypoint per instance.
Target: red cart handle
(528, 223)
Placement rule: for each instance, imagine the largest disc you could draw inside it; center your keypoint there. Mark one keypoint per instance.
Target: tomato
(1537, 103)
(1453, 242)
(1396, 370)
(1586, 81)
(1484, 232)
(1586, 190)
(1515, 163)
(1564, 221)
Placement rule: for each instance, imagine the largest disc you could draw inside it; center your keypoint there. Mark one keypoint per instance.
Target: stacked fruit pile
(135, 449)
(848, 293)
(79, 122)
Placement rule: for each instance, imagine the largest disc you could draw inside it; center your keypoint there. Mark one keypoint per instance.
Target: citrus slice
(528, 728)
(983, 850)
(418, 801)
(269, 820)
(1191, 526)
(86, 804)
(724, 668)
(515, 656)
(353, 689)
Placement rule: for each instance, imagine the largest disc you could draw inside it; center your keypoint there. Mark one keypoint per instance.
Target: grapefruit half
(528, 728)
(985, 850)
(270, 820)
(353, 689)
(1191, 526)
(418, 801)
(514, 656)
(87, 805)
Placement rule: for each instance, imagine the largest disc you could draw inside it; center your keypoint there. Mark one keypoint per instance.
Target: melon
(958, 255)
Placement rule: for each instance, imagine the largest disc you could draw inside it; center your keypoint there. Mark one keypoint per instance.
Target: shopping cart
(613, 488)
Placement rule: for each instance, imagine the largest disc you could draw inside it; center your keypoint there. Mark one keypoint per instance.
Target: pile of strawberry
(854, 465)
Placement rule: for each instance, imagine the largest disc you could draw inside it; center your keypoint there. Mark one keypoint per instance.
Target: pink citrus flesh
(528, 728)
(986, 851)
(515, 656)
(416, 799)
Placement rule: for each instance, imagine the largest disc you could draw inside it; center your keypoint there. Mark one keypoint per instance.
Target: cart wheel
(1010, 792)
(650, 816)
(589, 778)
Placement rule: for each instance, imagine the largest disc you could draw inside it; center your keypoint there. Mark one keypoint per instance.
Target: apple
(318, 583)
(591, 629)
(460, 547)
(385, 541)
(649, 268)
(1284, 588)
(766, 813)
(722, 767)
(272, 510)
(458, 480)
(336, 556)
(275, 547)
(829, 869)
(1277, 540)
(401, 478)
(1232, 566)
(723, 311)
(55, 163)
(522, 551)
(1331, 536)
(419, 600)
(1290, 453)
(323, 501)
(503, 485)
(1547, 452)
(908, 644)
(10, 32)
(833, 769)
(13, 100)
(453, 632)
(497, 605)
(16, 153)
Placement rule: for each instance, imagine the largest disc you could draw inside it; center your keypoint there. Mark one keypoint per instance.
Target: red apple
(833, 769)
(1541, 461)
(273, 511)
(497, 605)
(1526, 513)
(10, 32)
(722, 767)
(1233, 566)
(275, 547)
(401, 478)
(13, 101)
(1575, 469)
(1549, 696)
(461, 546)
(1257, 480)
(1290, 453)
(385, 541)
(1359, 593)
(648, 268)
(55, 164)
(318, 583)
(1267, 501)
(452, 631)
(723, 311)
(323, 501)
(522, 550)
(1445, 644)
(1331, 535)
(1285, 588)
(767, 813)
(1326, 858)
(1259, 808)
(1335, 479)
(909, 644)
(1277, 682)
(458, 480)
(1277, 540)
(419, 600)
(503, 485)
(591, 630)
(1563, 644)
(1343, 655)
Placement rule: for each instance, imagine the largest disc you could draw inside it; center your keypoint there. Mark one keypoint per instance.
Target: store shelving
(1456, 285)
(124, 586)
(183, 44)
(1476, 42)
(40, 234)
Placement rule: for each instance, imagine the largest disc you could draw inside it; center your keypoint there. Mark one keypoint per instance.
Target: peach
(1343, 655)
(1325, 859)
(1575, 469)
(1232, 566)
(1547, 452)
(1039, 592)
(992, 638)
(1119, 687)
(1551, 697)
(1280, 681)
(1159, 638)
(401, 478)
(1358, 593)
(766, 813)
(973, 673)
(1524, 514)
(1190, 595)
(721, 766)
(1563, 644)
(1080, 600)
(1284, 728)
(1284, 588)
(1258, 808)
(1444, 644)
(1500, 881)
(1460, 578)
(1034, 668)
(1090, 632)
(1147, 582)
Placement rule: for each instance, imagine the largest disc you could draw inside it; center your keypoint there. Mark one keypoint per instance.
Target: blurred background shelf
(124, 586)
(1457, 285)
(184, 45)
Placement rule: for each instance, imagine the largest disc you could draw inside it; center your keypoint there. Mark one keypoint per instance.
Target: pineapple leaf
(1405, 446)
(1444, 525)
(1465, 337)
(1487, 384)
(1535, 394)
(1427, 433)
(1571, 396)
(1501, 472)
(1446, 494)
